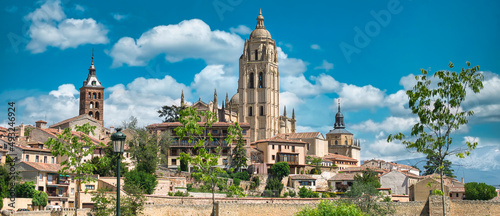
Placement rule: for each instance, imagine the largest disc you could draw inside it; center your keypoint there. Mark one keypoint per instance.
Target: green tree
(203, 162)
(479, 191)
(133, 203)
(433, 164)
(184, 163)
(130, 124)
(280, 170)
(106, 165)
(40, 199)
(440, 113)
(74, 148)
(25, 190)
(273, 187)
(143, 180)
(144, 147)
(170, 113)
(331, 208)
(239, 156)
(307, 193)
(367, 183)
(5, 179)
(316, 162)
(104, 204)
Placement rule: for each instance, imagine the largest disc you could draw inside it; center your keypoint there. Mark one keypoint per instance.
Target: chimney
(462, 179)
(58, 129)
(41, 124)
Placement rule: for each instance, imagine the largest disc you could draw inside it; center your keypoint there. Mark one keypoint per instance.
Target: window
(91, 114)
(244, 132)
(49, 178)
(89, 187)
(90, 96)
(456, 194)
(98, 96)
(279, 147)
(250, 81)
(37, 158)
(308, 147)
(274, 157)
(214, 131)
(52, 160)
(250, 113)
(293, 148)
(40, 176)
(261, 110)
(97, 115)
(174, 161)
(336, 143)
(256, 55)
(93, 83)
(45, 159)
(273, 146)
(27, 158)
(93, 95)
(261, 80)
(91, 105)
(97, 105)
(345, 142)
(72, 190)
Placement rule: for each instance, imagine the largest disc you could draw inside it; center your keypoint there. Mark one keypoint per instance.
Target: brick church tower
(91, 95)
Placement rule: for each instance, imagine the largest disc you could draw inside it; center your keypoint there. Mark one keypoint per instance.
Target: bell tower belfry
(258, 84)
(91, 95)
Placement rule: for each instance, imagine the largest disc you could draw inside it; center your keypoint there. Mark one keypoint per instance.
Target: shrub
(285, 194)
(189, 187)
(332, 208)
(170, 193)
(236, 181)
(292, 193)
(143, 180)
(437, 192)
(387, 199)
(241, 175)
(479, 191)
(274, 185)
(280, 169)
(196, 176)
(307, 193)
(180, 193)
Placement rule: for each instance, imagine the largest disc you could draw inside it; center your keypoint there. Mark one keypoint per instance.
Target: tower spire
(260, 21)
(182, 98)
(293, 113)
(284, 111)
(339, 118)
(339, 104)
(92, 67)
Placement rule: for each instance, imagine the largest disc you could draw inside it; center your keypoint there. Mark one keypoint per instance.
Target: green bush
(236, 181)
(479, 191)
(196, 176)
(437, 192)
(170, 193)
(292, 193)
(275, 186)
(241, 175)
(145, 181)
(307, 193)
(285, 194)
(189, 187)
(280, 169)
(332, 208)
(180, 193)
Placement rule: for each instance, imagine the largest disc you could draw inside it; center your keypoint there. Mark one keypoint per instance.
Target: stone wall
(62, 212)
(472, 207)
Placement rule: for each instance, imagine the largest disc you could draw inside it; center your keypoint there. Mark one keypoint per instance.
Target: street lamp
(118, 139)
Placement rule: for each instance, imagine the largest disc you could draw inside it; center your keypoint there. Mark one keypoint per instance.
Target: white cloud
(315, 47)
(290, 66)
(354, 97)
(188, 39)
(289, 99)
(241, 29)
(79, 8)
(65, 90)
(389, 125)
(486, 157)
(398, 103)
(325, 66)
(119, 17)
(50, 27)
(214, 76)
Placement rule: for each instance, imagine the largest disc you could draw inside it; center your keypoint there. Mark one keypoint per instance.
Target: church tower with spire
(258, 84)
(340, 141)
(92, 95)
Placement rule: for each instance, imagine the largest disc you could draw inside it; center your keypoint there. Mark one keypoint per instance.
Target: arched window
(336, 143)
(261, 80)
(261, 110)
(91, 114)
(99, 95)
(250, 113)
(91, 105)
(345, 140)
(250, 81)
(90, 96)
(256, 55)
(97, 105)
(97, 115)
(94, 95)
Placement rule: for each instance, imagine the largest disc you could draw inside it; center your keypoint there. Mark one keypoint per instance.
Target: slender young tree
(239, 156)
(440, 113)
(73, 148)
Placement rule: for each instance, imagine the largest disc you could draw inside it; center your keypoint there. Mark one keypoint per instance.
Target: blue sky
(364, 52)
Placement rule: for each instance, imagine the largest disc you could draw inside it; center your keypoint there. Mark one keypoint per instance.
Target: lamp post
(118, 139)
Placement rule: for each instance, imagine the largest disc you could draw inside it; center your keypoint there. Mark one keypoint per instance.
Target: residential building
(341, 181)
(297, 181)
(35, 151)
(420, 191)
(390, 166)
(219, 134)
(340, 161)
(275, 150)
(316, 143)
(399, 182)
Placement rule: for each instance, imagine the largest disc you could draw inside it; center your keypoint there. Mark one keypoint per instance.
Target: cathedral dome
(260, 33)
(235, 100)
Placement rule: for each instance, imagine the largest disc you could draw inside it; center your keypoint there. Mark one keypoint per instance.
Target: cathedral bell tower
(91, 95)
(258, 84)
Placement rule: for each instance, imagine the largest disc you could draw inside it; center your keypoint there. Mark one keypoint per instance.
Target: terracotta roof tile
(302, 177)
(69, 120)
(303, 135)
(343, 177)
(44, 166)
(274, 139)
(32, 149)
(331, 156)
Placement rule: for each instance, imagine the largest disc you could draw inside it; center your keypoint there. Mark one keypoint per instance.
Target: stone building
(399, 182)
(340, 141)
(92, 96)
(420, 191)
(276, 150)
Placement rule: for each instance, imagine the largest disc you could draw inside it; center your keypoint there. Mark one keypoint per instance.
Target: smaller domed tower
(340, 140)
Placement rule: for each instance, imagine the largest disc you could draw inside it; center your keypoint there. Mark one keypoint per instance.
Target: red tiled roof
(41, 121)
(331, 156)
(274, 139)
(70, 119)
(360, 169)
(303, 135)
(44, 166)
(343, 177)
(178, 124)
(32, 149)
(55, 132)
(302, 177)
